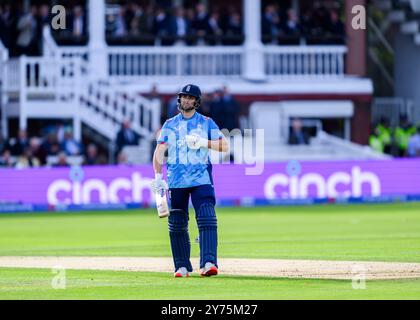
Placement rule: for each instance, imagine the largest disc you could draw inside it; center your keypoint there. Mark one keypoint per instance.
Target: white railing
(11, 75)
(304, 61)
(112, 107)
(284, 61)
(66, 55)
(4, 55)
(58, 78)
(175, 61)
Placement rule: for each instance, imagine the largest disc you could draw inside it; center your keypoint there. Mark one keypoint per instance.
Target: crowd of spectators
(317, 25)
(153, 24)
(131, 23)
(55, 148)
(402, 140)
(21, 29)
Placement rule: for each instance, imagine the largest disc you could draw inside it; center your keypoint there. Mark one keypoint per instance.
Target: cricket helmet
(190, 90)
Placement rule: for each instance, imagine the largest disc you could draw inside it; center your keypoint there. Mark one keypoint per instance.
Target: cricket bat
(162, 204)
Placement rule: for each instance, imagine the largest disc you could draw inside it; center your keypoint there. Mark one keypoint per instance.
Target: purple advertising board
(110, 185)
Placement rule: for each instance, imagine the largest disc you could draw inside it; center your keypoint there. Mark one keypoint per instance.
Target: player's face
(187, 102)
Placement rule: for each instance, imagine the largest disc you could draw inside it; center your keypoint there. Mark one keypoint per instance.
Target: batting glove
(159, 184)
(196, 142)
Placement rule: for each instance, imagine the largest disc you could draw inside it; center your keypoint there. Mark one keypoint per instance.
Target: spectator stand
(103, 81)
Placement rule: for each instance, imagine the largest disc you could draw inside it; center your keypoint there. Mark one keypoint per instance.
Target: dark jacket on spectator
(126, 137)
(70, 23)
(230, 112)
(19, 147)
(299, 137)
(201, 24)
(173, 26)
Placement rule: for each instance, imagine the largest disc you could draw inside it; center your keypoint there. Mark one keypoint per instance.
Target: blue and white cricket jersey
(187, 167)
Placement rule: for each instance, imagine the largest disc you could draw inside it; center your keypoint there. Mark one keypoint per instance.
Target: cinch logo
(297, 187)
(119, 190)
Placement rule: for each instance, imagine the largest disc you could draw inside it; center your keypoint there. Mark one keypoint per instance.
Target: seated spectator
(37, 151)
(126, 136)
(6, 159)
(62, 160)
(414, 144)
(91, 157)
(51, 147)
(70, 146)
(297, 135)
(21, 143)
(27, 160)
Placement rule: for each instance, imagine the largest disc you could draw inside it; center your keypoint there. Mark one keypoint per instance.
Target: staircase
(388, 20)
(59, 85)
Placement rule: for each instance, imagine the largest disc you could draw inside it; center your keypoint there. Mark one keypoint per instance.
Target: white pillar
(98, 57)
(23, 112)
(4, 118)
(77, 129)
(254, 53)
(347, 129)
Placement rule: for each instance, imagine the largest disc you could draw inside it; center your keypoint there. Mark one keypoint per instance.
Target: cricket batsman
(188, 137)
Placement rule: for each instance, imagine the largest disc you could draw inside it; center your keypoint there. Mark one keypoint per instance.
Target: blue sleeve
(163, 135)
(214, 131)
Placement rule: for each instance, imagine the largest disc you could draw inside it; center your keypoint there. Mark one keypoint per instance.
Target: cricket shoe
(209, 270)
(182, 273)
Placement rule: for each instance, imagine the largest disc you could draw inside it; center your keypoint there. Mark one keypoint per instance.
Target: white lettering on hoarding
(65, 192)
(295, 187)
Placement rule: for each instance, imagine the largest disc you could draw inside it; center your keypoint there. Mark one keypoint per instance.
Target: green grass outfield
(387, 232)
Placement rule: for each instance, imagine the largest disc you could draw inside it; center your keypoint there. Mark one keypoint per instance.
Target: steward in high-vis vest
(402, 135)
(375, 141)
(384, 133)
